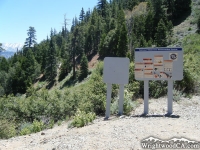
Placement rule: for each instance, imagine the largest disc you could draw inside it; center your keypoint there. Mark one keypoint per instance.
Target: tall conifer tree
(31, 40)
(51, 68)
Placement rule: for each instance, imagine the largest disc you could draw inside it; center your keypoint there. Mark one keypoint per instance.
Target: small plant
(25, 131)
(128, 106)
(59, 122)
(114, 107)
(82, 118)
(37, 126)
(177, 95)
(189, 29)
(7, 129)
(51, 124)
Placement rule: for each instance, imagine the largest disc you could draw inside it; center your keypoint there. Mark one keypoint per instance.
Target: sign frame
(115, 71)
(159, 63)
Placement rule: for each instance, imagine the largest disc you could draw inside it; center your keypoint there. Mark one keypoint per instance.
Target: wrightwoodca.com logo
(174, 143)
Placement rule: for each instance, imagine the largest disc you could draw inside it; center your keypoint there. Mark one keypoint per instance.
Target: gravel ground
(125, 132)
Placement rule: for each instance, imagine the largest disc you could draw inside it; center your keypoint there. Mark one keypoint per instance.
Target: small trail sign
(115, 71)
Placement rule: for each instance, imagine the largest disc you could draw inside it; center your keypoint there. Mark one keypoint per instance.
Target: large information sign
(158, 63)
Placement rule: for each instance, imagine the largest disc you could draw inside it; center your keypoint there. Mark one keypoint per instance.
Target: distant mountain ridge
(12, 47)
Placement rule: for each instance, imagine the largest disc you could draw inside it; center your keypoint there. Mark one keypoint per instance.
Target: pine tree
(84, 67)
(82, 15)
(4, 65)
(159, 13)
(87, 15)
(170, 6)
(122, 46)
(161, 34)
(31, 68)
(149, 26)
(51, 68)
(65, 66)
(129, 4)
(182, 7)
(31, 40)
(198, 24)
(102, 7)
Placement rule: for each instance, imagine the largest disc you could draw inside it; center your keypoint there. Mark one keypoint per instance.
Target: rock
(122, 117)
(42, 133)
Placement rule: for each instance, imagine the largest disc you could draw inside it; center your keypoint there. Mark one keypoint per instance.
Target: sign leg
(170, 97)
(121, 99)
(146, 97)
(108, 101)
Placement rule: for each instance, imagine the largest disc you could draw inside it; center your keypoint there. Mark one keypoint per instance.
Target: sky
(16, 16)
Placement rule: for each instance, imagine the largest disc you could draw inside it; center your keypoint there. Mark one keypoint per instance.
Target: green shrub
(114, 108)
(128, 106)
(99, 68)
(37, 126)
(82, 118)
(51, 124)
(134, 89)
(157, 88)
(59, 122)
(198, 23)
(188, 84)
(177, 95)
(25, 131)
(7, 129)
(29, 128)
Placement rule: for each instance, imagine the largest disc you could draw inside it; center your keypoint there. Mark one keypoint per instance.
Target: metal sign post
(108, 101)
(158, 64)
(146, 97)
(170, 97)
(115, 71)
(121, 98)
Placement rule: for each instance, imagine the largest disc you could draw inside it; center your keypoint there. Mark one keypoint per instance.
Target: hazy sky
(17, 15)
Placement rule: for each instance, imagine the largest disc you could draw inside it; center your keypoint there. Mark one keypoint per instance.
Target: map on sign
(158, 64)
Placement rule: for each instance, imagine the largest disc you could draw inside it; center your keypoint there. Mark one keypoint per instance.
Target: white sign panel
(116, 70)
(158, 63)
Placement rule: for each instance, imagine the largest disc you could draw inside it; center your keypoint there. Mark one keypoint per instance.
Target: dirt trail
(124, 132)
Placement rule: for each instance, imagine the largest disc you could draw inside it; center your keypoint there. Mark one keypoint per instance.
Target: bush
(82, 118)
(188, 84)
(37, 126)
(7, 129)
(29, 128)
(198, 24)
(128, 105)
(84, 67)
(157, 88)
(26, 129)
(177, 95)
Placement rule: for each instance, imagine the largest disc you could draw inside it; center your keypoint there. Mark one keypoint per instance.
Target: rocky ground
(124, 132)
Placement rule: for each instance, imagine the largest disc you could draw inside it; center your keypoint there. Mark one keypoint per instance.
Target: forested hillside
(113, 28)
(103, 30)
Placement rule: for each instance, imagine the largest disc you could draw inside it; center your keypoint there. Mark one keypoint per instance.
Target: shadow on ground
(155, 116)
